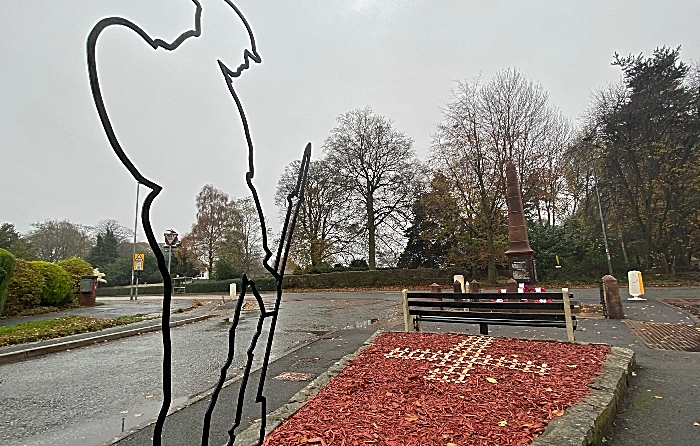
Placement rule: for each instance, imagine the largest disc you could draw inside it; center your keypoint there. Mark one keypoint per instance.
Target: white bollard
(232, 291)
(635, 285)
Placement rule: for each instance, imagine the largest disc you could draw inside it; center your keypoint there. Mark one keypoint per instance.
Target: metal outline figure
(294, 200)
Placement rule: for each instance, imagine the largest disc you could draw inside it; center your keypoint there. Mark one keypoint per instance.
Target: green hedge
(374, 279)
(25, 288)
(57, 283)
(76, 268)
(347, 279)
(7, 267)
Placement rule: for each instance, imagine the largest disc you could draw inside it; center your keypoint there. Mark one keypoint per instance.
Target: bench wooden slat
(486, 295)
(532, 323)
(496, 306)
(488, 315)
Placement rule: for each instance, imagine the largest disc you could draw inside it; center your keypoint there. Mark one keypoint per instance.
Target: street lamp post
(136, 221)
(602, 224)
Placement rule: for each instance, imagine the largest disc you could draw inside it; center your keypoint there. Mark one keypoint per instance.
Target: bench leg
(483, 329)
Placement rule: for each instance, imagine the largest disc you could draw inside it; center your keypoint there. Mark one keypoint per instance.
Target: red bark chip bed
(445, 389)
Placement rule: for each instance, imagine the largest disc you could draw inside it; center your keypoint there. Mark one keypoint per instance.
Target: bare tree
(377, 166)
(484, 126)
(242, 246)
(321, 234)
(206, 239)
(120, 232)
(56, 240)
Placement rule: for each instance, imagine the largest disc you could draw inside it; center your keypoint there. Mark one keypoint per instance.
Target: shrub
(76, 269)
(25, 288)
(57, 283)
(7, 267)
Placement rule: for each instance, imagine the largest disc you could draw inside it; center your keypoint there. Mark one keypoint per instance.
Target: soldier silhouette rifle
(276, 269)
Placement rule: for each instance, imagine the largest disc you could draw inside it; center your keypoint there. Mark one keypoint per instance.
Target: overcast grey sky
(176, 120)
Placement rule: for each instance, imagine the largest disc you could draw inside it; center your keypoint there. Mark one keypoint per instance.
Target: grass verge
(56, 328)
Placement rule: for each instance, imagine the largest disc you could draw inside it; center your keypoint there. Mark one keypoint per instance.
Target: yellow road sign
(138, 261)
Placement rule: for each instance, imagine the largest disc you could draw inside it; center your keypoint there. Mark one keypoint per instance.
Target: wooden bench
(481, 308)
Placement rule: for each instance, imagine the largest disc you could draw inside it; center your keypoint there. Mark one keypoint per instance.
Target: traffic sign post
(170, 240)
(139, 259)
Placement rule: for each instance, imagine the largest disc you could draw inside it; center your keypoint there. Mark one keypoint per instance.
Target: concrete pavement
(661, 407)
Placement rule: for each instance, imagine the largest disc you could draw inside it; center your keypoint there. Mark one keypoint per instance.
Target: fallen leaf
(491, 380)
(558, 412)
(149, 396)
(389, 394)
(137, 414)
(657, 396)
(451, 444)
(502, 423)
(696, 424)
(634, 373)
(548, 389)
(411, 417)
(124, 411)
(573, 366)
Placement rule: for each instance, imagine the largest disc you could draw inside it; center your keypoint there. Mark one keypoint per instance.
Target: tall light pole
(602, 223)
(136, 222)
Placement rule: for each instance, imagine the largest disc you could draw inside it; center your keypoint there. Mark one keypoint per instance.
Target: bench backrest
(487, 295)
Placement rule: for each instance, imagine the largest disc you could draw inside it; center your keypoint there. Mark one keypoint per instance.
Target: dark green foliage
(25, 288)
(76, 268)
(359, 264)
(8, 235)
(224, 270)
(13, 241)
(7, 267)
(395, 278)
(648, 136)
(118, 272)
(183, 267)
(378, 278)
(105, 251)
(57, 284)
(423, 249)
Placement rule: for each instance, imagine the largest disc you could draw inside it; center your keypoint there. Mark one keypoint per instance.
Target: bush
(7, 267)
(57, 283)
(225, 270)
(395, 278)
(76, 269)
(25, 288)
(377, 278)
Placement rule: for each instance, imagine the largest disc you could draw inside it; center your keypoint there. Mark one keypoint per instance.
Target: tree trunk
(371, 230)
(622, 245)
(492, 258)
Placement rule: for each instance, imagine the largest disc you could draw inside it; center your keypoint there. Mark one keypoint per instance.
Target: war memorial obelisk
(520, 256)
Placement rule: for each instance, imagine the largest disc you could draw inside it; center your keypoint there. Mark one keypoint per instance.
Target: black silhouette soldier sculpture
(276, 269)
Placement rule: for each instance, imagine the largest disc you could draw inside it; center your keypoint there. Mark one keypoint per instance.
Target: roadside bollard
(511, 286)
(474, 286)
(612, 298)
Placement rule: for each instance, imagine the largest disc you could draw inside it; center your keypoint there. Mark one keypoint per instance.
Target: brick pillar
(612, 298)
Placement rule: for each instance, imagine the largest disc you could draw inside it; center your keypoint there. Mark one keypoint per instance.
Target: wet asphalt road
(80, 397)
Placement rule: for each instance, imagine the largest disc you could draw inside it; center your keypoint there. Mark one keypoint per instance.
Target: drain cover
(292, 376)
(662, 336)
(692, 306)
